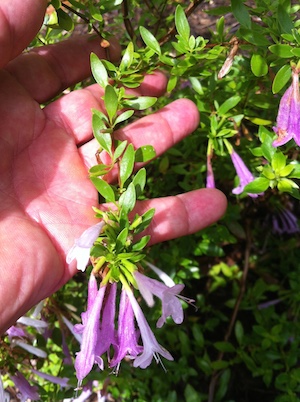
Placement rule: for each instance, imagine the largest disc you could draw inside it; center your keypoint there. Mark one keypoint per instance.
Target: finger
(162, 130)
(73, 112)
(48, 70)
(183, 214)
(20, 20)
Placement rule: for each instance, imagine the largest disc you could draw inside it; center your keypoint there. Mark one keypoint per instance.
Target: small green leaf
(296, 52)
(278, 161)
(241, 13)
(128, 199)
(259, 65)
(111, 102)
(284, 19)
(99, 170)
(127, 57)
(239, 332)
(150, 40)
(146, 220)
(286, 185)
(219, 364)
(145, 153)
(286, 171)
(228, 104)
(104, 189)
(224, 346)
(64, 20)
(259, 185)
(99, 71)
(140, 244)
(103, 138)
(281, 50)
(172, 83)
(140, 103)
(95, 13)
(123, 116)
(119, 150)
(182, 24)
(56, 4)
(126, 164)
(281, 78)
(139, 181)
(121, 240)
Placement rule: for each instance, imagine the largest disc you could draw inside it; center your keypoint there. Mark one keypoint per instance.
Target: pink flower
(82, 247)
(171, 305)
(151, 348)
(288, 118)
(127, 338)
(243, 173)
(26, 391)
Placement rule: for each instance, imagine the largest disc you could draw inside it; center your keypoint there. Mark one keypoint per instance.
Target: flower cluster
(99, 333)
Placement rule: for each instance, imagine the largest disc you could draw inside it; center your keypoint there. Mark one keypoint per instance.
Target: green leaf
(228, 104)
(104, 189)
(127, 57)
(103, 138)
(119, 150)
(286, 171)
(98, 70)
(99, 170)
(77, 4)
(278, 161)
(140, 244)
(140, 103)
(126, 164)
(172, 83)
(150, 40)
(296, 52)
(111, 101)
(286, 185)
(284, 19)
(219, 364)
(240, 12)
(224, 346)
(139, 181)
(259, 185)
(128, 199)
(123, 116)
(239, 332)
(56, 4)
(146, 220)
(95, 13)
(145, 153)
(281, 50)
(182, 24)
(259, 65)
(281, 78)
(64, 20)
(121, 240)
(296, 171)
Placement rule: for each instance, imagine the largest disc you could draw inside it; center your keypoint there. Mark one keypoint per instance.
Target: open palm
(45, 193)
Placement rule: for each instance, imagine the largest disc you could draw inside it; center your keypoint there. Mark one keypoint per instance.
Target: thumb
(20, 20)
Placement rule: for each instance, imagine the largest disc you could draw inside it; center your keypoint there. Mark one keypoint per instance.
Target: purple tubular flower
(171, 305)
(81, 249)
(288, 118)
(210, 180)
(86, 358)
(26, 391)
(151, 348)
(243, 173)
(285, 222)
(127, 334)
(107, 327)
(63, 382)
(16, 331)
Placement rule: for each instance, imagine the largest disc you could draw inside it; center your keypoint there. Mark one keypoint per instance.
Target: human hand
(45, 193)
